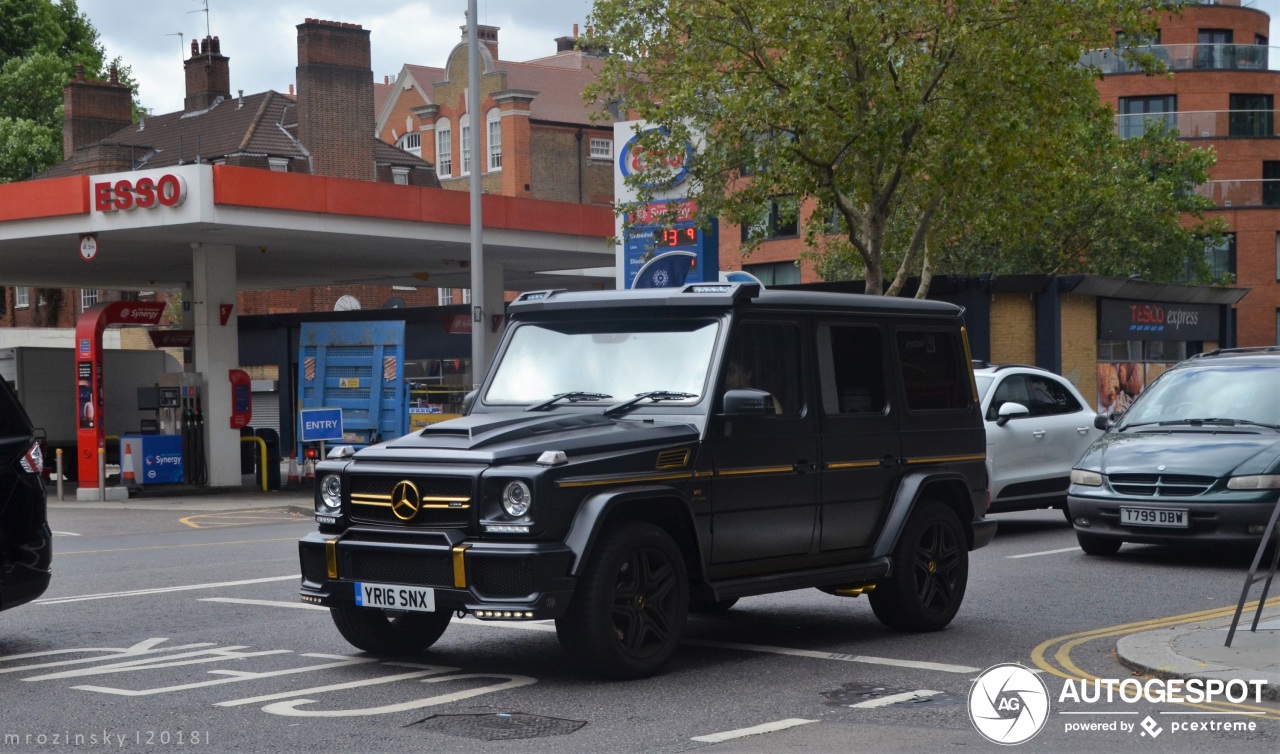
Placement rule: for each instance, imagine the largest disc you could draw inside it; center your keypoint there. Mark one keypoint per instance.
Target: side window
(1050, 398)
(766, 356)
(1014, 388)
(857, 369)
(934, 375)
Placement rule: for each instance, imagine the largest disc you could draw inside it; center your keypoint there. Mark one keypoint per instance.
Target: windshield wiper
(1218, 420)
(573, 397)
(653, 396)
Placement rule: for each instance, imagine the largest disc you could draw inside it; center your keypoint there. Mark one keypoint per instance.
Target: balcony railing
(1255, 192)
(1203, 124)
(1185, 57)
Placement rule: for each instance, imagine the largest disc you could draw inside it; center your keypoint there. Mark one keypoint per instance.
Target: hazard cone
(126, 467)
(309, 473)
(292, 481)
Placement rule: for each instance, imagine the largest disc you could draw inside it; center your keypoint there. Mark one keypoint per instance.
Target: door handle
(1082, 430)
(804, 467)
(1038, 433)
(890, 461)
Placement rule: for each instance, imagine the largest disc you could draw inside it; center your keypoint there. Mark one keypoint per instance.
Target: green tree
(903, 124)
(41, 42)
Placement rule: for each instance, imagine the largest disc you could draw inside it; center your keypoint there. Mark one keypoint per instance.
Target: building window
(602, 149)
(1278, 327)
(21, 298)
(278, 164)
(1271, 183)
(466, 295)
(1251, 115)
(444, 149)
(1214, 49)
(444, 296)
(775, 273)
(494, 123)
(1136, 113)
(1221, 258)
(780, 219)
(400, 176)
(411, 143)
(88, 299)
(464, 142)
(1278, 257)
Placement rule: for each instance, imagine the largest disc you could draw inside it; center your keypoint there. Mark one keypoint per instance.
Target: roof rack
(1236, 351)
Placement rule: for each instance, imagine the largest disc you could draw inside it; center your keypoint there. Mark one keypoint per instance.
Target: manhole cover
(852, 694)
(501, 726)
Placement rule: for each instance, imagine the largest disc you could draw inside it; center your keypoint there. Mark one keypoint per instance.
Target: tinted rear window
(933, 373)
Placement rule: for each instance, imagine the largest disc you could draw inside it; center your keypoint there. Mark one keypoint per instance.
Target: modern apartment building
(1220, 94)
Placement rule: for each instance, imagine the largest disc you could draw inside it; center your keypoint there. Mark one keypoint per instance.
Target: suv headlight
(330, 500)
(1086, 478)
(516, 498)
(1259, 482)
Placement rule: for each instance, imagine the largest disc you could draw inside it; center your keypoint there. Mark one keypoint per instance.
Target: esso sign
(636, 158)
(144, 193)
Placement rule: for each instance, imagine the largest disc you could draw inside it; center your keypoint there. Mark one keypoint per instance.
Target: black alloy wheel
(930, 572)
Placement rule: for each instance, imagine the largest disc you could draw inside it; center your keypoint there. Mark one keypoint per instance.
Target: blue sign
(321, 424)
(161, 459)
(648, 240)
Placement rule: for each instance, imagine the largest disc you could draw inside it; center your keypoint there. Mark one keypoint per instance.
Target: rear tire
(383, 632)
(629, 610)
(930, 572)
(1095, 545)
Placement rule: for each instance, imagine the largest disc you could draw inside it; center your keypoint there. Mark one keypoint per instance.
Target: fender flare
(905, 500)
(585, 529)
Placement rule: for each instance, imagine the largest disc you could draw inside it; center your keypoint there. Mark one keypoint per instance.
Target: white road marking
(1046, 552)
(715, 738)
(835, 656)
(65, 534)
(160, 590)
(885, 701)
(264, 603)
(549, 626)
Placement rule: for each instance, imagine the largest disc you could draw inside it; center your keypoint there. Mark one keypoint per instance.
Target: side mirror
(469, 400)
(1102, 422)
(748, 402)
(1009, 411)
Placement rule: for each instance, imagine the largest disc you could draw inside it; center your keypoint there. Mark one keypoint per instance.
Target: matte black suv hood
(523, 434)
(1200, 453)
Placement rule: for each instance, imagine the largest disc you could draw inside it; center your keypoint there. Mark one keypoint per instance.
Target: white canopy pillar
(215, 351)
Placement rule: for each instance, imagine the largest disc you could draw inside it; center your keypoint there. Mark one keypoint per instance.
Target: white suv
(1038, 425)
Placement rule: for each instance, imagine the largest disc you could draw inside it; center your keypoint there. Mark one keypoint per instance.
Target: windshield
(1238, 392)
(618, 359)
(984, 384)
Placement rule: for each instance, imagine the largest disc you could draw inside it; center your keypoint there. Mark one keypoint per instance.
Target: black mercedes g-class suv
(26, 544)
(634, 456)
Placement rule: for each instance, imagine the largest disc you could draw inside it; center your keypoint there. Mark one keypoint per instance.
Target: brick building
(538, 137)
(326, 129)
(1221, 95)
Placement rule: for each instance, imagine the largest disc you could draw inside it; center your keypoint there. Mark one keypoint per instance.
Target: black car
(634, 456)
(26, 544)
(1196, 459)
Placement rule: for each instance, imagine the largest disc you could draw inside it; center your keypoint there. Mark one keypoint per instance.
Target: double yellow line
(1054, 655)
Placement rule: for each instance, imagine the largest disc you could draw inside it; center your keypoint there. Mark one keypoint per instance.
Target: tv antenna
(205, 11)
(182, 51)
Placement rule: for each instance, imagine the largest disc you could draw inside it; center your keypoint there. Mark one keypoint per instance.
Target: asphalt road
(166, 631)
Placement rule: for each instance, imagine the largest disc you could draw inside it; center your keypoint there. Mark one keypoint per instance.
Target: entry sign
(321, 424)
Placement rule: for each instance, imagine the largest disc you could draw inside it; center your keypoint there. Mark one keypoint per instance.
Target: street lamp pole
(479, 330)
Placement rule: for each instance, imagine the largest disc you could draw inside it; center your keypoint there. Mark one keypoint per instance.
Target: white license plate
(1153, 517)
(396, 597)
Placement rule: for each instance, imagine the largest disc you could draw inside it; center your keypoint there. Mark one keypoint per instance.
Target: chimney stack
(335, 98)
(208, 74)
(93, 110)
(488, 36)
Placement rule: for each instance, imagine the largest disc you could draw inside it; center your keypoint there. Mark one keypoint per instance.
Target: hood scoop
(478, 430)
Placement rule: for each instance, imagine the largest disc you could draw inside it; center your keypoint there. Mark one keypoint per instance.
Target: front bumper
(1208, 522)
(500, 580)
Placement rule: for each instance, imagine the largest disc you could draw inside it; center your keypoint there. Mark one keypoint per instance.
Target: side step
(785, 582)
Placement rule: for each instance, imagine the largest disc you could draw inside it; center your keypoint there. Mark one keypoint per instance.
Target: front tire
(930, 572)
(628, 613)
(383, 632)
(1095, 545)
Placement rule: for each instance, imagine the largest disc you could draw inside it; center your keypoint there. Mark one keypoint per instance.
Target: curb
(1153, 653)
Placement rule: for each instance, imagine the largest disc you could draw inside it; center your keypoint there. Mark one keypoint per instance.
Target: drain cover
(500, 726)
(856, 693)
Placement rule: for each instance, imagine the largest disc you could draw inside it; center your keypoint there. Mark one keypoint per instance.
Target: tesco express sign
(144, 193)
